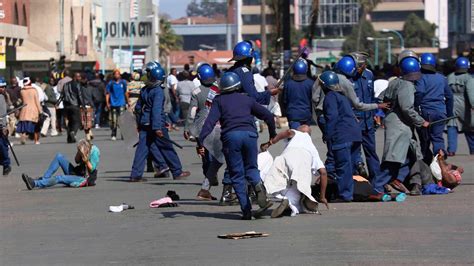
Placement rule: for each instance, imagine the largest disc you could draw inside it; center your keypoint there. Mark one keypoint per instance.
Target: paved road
(64, 226)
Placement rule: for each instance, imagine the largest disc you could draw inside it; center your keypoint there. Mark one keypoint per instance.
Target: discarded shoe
(6, 170)
(172, 194)
(182, 176)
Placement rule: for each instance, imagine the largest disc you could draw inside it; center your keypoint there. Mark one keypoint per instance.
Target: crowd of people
(224, 112)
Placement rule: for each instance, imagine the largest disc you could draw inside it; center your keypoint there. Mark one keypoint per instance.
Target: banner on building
(3, 56)
(122, 59)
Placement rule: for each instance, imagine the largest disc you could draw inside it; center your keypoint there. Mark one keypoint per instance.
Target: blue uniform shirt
(117, 91)
(150, 107)
(341, 125)
(235, 112)
(297, 97)
(433, 94)
(364, 89)
(248, 85)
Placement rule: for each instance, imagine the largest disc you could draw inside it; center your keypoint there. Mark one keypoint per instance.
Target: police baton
(167, 140)
(6, 137)
(14, 110)
(443, 120)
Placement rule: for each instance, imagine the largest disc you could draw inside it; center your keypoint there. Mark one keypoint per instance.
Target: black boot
(29, 182)
(228, 198)
(6, 170)
(262, 200)
(361, 170)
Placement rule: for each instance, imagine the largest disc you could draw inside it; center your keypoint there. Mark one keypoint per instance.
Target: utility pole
(285, 4)
(61, 27)
(263, 31)
(102, 43)
(120, 33)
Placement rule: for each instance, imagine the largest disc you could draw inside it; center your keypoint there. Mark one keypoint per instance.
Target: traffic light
(52, 64)
(62, 63)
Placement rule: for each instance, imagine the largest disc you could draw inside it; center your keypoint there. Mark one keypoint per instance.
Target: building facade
(14, 27)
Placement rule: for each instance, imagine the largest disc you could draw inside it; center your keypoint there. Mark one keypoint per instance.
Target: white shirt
(41, 95)
(380, 86)
(303, 141)
(196, 82)
(260, 82)
(171, 80)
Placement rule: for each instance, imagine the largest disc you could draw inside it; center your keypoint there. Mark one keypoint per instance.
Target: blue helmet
(229, 82)
(206, 74)
(462, 63)
(428, 59)
(347, 66)
(242, 50)
(300, 67)
(154, 71)
(3, 82)
(410, 68)
(329, 78)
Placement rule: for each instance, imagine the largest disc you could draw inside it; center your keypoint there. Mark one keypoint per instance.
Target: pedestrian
(73, 100)
(133, 89)
(172, 83)
(297, 93)
(243, 56)
(461, 83)
(116, 100)
(434, 101)
(235, 112)
(184, 90)
(399, 147)
(82, 175)
(29, 115)
(39, 86)
(98, 98)
(14, 92)
(50, 104)
(153, 134)
(4, 106)
(341, 132)
(87, 110)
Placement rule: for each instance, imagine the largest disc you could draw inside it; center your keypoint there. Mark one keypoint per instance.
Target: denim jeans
(69, 178)
(115, 112)
(97, 113)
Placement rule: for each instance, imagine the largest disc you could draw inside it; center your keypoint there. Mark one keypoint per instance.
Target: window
(25, 21)
(16, 19)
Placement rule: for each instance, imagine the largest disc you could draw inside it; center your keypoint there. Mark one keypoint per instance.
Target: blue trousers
(371, 157)
(162, 151)
(296, 124)
(68, 179)
(343, 154)
(432, 135)
(241, 151)
(390, 171)
(97, 112)
(4, 157)
(453, 140)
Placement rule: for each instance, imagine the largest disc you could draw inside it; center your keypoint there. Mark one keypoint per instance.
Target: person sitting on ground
(82, 175)
(292, 171)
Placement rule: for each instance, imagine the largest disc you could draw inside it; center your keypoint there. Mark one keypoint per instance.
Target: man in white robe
(290, 175)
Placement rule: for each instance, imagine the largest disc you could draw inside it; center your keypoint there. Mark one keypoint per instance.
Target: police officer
(152, 128)
(235, 112)
(243, 56)
(434, 101)
(398, 123)
(353, 69)
(297, 95)
(4, 157)
(462, 85)
(201, 101)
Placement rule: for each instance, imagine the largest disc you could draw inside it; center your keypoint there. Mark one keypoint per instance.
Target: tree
(314, 20)
(169, 41)
(206, 8)
(359, 34)
(418, 32)
(367, 7)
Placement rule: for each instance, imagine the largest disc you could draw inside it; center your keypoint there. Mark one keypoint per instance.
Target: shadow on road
(224, 216)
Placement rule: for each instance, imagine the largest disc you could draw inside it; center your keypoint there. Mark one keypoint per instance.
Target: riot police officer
(434, 101)
(153, 134)
(462, 85)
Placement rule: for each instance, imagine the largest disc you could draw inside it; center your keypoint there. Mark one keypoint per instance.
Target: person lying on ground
(82, 175)
(290, 176)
